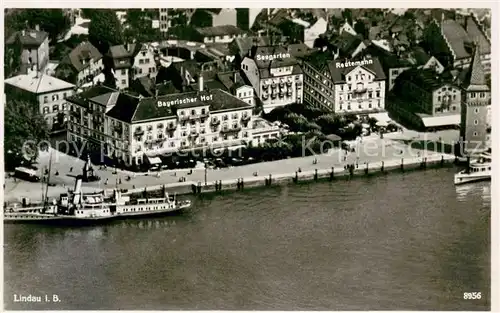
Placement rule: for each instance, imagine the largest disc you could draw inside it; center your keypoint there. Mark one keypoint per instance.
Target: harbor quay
(371, 152)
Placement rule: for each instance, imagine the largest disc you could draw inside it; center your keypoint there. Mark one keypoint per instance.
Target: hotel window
(225, 118)
(141, 61)
(348, 106)
(482, 95)
(124, 72)
(369, 105)
(454, 97)
(476, 110)
(348, 78)
(64, 95)
(359, 106)
(45, 99)
(472, 94)
(193, 112)
(379, 103)
(235, 116)
(64, 106)
(55, 108)
(184, 134)
(476, 122)
(439, 98)
(150, 128)
(45, 110)
(475, 133)
(225, 136)
(378, 94)
(147, 61)
(124, 81)
(159, 125)
(55, 97)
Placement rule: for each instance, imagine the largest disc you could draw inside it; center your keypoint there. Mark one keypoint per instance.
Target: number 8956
(472, 295)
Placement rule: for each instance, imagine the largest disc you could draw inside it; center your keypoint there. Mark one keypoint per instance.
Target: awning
(381, 116)
(154, 160)
(433, 121)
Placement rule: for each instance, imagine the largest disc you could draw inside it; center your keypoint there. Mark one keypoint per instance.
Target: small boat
(478, 169)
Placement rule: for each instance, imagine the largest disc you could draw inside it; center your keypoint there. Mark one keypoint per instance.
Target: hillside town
(141, 84)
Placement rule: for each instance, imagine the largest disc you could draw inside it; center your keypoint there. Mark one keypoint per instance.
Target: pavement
(372, 149)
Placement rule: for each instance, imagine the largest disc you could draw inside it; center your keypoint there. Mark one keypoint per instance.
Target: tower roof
(475, 78)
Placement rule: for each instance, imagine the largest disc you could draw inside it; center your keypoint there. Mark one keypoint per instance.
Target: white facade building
(275, 75)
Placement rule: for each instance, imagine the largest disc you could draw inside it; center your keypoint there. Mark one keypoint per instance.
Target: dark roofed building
(82, 64)
(33, 46)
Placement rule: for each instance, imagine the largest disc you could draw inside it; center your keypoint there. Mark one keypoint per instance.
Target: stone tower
(476, 101)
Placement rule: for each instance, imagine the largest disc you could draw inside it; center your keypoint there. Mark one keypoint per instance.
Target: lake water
(403, 241)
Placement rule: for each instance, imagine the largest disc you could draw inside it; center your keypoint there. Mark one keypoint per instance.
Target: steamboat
(77, 207)
(478, 169)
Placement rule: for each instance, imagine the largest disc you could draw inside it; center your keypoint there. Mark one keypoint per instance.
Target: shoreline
(320, 174)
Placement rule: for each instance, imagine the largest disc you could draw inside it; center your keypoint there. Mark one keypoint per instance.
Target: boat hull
(65, 220)
(461, 179)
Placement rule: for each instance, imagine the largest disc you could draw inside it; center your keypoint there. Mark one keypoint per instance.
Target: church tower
(476, 101)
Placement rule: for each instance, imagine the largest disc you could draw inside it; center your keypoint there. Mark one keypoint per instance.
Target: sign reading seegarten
(270, 57)
(184, 101)
(351, 64)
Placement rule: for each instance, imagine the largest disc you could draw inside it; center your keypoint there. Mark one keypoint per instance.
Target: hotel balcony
(118, 129)
(360, 90)
(230, 129)
(198, 116)
(76, 114)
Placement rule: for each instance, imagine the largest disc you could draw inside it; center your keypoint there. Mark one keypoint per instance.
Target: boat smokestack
(78, 185)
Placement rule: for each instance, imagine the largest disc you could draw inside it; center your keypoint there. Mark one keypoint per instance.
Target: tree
(12, 58)
(347, 15)
(361, 28)
(25, 128)
(53, 21)
(140, 27)
(105, 30)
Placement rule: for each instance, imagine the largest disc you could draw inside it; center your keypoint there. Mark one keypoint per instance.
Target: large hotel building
(275, 75)
(131, 129)
(344, 86)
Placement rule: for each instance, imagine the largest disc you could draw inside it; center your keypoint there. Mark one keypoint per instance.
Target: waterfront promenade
(371, 150)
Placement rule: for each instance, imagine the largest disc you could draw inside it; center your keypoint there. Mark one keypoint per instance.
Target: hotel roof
(425, 79)
(322, 61)
(135, 110)
(39, 83)
(265, 65)
(83, 51)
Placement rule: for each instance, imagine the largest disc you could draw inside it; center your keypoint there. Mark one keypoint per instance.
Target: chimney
(37, 27)
(200, 83)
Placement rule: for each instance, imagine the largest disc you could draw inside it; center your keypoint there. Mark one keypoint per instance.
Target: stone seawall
(332, 173)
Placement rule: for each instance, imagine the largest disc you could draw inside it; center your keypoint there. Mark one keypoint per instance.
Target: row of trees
(304, 118)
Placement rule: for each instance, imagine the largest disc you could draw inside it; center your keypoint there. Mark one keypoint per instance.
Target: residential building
(426, 101)
(46, 92)
(275, 76)
(144, 62)
(344, 86)
(81, 65)
(476, 106)
(33, 46)
(459, 36)
(346, 27)
(137, 129)
(165, 22)
(124, 66)
(218, 34)
(234, 83)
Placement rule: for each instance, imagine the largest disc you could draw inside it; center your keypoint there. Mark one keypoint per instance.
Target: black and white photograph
(170, 158)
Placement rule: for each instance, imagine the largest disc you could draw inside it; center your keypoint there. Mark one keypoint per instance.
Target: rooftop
(28, 37)
(79, 56)
(323, 61)
(459, 37)
(425, 79)
(219, 31)
(135, 110)
(38, 83)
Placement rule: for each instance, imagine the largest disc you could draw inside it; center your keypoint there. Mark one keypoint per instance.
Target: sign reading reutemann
(184, 101)
(350, 63)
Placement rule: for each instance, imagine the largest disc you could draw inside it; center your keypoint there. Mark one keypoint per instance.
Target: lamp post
(206, 174)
